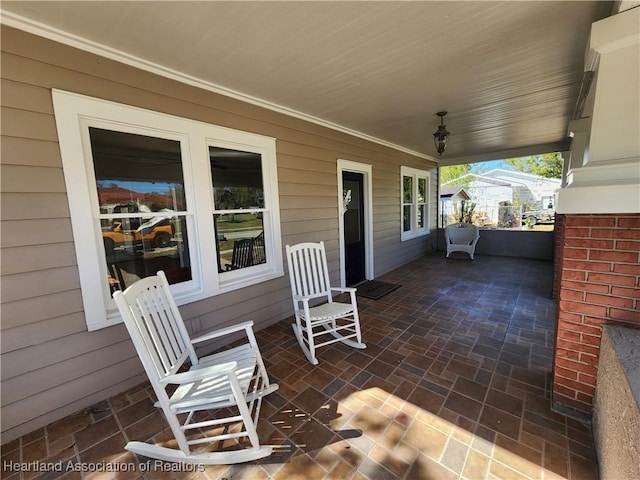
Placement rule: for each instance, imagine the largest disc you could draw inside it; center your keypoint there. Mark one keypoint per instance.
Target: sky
(486, 166)
(161, 188)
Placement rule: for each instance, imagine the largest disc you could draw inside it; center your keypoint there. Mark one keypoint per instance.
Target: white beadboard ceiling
(509, 73)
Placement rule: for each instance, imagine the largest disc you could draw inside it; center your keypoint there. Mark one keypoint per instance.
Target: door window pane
(352, 217)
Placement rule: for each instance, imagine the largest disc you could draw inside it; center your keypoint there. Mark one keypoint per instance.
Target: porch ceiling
(508, 73)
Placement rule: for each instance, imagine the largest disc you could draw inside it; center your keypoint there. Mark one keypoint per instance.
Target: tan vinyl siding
(34, 258)
(37, 333)
(18, 233)
(16, 206)
(32, 283)
(51, 366)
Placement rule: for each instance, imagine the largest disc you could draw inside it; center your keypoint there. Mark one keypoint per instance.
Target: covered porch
(454, 383)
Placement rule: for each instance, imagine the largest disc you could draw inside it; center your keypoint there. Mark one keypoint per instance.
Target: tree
(548, 165)
(464, 213)
(453, 172)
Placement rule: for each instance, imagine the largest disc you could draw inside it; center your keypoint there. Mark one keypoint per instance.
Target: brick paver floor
(454, 383)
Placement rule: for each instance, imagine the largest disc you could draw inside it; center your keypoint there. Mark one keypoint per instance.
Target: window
(415, 202)
(149, 191)
(238, 199)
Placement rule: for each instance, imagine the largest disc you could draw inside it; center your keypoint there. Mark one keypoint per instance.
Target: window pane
(406, 218)
(422, 190)
(407, 189)
(137, 247)
(240, 240)
(421, 215)
(236, 178)
(136, 173)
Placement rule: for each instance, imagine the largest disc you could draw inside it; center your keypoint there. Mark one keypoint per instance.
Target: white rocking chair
(461, 237)
(317, 315)
(228, 385)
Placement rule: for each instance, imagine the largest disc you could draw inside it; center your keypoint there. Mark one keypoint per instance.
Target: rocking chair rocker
(309, 278)
(217, 400)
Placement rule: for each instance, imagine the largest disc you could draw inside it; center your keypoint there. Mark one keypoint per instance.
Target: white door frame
(366, 171)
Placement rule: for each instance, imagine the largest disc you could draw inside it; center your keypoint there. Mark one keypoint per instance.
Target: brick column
(599, 282)
(558, 244)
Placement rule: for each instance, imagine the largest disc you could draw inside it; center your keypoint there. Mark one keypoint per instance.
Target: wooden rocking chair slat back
(158, 324)
(311, 276)
(247, 252)
(242, 252)
(230, 383)
(319, 320)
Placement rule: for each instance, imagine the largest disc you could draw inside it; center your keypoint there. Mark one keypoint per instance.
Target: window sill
(114, 318)
(411, 236)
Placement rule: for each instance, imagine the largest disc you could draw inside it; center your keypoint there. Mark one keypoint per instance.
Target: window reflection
(236, 178)
(407, 189)
(421, 216)
(422, 199)
(240, 241)
(238, 196)
(141, 197)
(156, 244)
(422, 190)
(406, 218)
(407, 200)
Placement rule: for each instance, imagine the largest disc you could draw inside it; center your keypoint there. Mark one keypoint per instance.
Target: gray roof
(454, 193)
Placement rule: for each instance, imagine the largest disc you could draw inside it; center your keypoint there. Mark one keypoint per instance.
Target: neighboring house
(528, 189)
(495, 188)
(63, 347)
(451, 199)
(113, 196)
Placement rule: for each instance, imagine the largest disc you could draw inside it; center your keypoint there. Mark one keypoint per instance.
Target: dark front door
(354, 240)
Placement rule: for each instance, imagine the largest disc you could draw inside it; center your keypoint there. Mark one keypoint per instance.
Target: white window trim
(74, 113)
(415, 232)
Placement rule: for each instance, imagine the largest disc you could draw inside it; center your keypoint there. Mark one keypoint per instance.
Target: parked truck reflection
(155, 233)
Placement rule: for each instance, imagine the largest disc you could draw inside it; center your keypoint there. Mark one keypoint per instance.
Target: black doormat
(375, 289)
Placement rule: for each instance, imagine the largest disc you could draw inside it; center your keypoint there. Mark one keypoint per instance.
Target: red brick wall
(598, 281)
